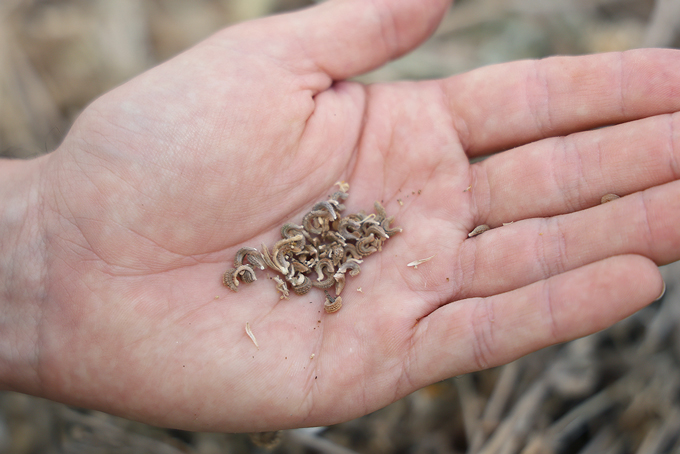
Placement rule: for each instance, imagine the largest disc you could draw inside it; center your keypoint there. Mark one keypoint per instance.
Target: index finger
(502, 106)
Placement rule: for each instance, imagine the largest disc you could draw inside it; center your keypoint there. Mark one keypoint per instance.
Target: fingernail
(663, 292)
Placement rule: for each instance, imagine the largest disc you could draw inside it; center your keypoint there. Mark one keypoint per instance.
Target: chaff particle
(250, 334)
(415, 263)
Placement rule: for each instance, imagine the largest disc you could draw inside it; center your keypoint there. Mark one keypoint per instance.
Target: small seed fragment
(281, 287)
(267, 440)
(343, 186)
(479, 230)
(608, 198)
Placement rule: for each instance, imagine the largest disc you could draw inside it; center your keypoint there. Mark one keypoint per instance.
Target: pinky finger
(479, 333)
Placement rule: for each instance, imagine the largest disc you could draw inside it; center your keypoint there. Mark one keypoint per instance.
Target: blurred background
(612, 392)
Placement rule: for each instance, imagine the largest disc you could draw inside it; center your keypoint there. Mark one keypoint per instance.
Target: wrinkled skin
(163, 179)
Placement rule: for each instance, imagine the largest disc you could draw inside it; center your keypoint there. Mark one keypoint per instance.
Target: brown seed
(229, 279)
(246, 273)
(332, 305)
(253, 255)
(304, 287)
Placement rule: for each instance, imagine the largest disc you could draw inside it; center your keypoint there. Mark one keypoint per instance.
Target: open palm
(163, 179)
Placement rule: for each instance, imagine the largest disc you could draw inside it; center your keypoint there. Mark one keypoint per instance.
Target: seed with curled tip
(295, 280)
(253, 255)
(365, 245)
(376, 230)
(479, 230)
(351, 265)
(281, 248)
(289, 229)
(324, 265)
(351, 250)
(246, 273)
(326, 283)
(281, 262)
(608, 198)
(268, 259)
(331, 304)
(386, 227)
(347, 228)
(304, 287)
(325, 208)
(314, 224)
(229, 279)
(295, 243)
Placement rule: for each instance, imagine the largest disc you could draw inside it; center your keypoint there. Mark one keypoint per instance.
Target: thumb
(345, 38)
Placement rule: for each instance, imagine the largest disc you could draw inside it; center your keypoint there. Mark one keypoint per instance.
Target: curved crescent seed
(289, 229)
(246, 273)
(332, 306)
(304, 287)
(326, 283)
(229, 279)
(253, 255)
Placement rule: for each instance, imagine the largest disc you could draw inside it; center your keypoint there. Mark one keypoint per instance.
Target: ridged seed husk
(332, 306)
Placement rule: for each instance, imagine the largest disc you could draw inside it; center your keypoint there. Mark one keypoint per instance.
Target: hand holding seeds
(112, 247)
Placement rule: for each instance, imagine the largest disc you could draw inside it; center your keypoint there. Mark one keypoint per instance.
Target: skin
(115, 243)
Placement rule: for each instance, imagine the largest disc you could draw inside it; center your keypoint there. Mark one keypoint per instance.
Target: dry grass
(616, 391)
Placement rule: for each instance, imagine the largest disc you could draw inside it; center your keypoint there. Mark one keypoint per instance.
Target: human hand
(161, 180)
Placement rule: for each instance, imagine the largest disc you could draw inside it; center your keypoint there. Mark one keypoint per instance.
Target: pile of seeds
(325, 244)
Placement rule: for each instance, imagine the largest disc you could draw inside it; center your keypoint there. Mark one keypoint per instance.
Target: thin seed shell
(331, 307)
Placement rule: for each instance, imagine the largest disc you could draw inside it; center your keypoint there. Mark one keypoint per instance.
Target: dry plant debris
(325, 243)
(250, 334)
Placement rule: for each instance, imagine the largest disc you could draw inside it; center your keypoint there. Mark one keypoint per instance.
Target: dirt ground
(612, 392)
